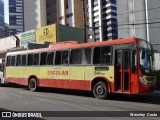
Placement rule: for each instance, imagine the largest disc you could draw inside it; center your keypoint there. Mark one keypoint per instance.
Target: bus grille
(150, 79)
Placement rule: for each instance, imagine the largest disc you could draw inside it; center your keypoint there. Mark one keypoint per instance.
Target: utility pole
(58, 20)
(84, 20)
(147, 25)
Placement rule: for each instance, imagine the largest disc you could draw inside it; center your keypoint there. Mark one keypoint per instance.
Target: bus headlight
(142, 80)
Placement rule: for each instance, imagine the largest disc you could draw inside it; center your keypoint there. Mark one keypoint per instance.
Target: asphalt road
(21, 99)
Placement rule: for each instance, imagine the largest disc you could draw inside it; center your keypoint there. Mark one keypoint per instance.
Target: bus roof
(74, 44)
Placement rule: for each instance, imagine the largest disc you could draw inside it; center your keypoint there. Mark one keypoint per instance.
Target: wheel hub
(100, 90)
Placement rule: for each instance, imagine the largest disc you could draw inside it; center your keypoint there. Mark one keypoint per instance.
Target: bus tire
(100, 90)
(33, 84)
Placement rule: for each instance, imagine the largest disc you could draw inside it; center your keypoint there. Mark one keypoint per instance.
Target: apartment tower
(102, 20)
(1, 19)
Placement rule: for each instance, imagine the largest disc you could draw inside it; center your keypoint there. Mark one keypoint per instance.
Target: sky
(6, 11)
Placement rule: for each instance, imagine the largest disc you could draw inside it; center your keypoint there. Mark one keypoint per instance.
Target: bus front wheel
(33, 84)
(100, 90)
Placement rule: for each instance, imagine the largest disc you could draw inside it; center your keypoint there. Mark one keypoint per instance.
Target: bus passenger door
(122, 71)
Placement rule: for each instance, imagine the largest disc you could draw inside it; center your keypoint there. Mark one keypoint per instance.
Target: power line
(138, 20)
(139, 23)
(139, 10)
(141, 27)
(124, 25)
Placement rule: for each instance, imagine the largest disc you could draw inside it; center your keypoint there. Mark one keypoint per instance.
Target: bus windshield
(146, 61)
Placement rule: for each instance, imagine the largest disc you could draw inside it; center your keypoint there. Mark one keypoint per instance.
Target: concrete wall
(7, 43)
(127, 16)
(153, 16)
(67, 33)
(133, 12)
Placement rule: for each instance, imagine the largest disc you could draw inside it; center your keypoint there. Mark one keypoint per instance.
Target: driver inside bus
(106, 57)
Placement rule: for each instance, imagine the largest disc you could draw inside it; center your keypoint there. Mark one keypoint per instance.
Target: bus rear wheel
(33, 84)
(100, 90)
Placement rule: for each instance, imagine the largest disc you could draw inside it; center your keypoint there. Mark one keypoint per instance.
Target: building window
(95, 11)
(69, 15)
(96, 17)
(95, 5)
(60, 18)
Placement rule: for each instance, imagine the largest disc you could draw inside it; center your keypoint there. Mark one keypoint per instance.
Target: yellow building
(58, 33)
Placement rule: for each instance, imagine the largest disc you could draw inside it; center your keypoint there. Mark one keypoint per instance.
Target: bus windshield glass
(147, 59)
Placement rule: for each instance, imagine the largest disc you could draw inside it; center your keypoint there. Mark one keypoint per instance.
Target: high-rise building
(51, 11)
(38, 13)
(7, 30)
(16, 16)
(1, 19)
(34, 14)
(70, 12)
(102, 17)
(138, 18)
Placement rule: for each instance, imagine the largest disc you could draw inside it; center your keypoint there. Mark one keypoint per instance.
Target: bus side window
(96, 55)
(50, 56)
(43, 60)
(106, 55)
(13, 61)
(58, 57)
(36, 59)
(18, 61)
(24, 60)
(86, 57)
(8, 61)
(134, 61)
(102, 55)
(76, 57)
(65, 58)
(30, 60)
